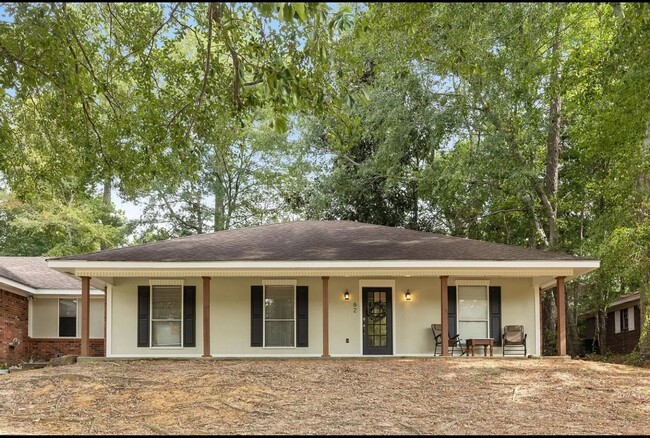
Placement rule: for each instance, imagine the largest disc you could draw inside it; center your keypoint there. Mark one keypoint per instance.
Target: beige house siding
(124, 327)
(45, 317)
(231, 320)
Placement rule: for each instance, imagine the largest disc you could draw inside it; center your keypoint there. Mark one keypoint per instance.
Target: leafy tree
(54, 227)
(246, 178)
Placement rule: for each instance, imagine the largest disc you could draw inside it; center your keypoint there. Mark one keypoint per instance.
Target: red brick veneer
(47, 348)
(13, 325)
(14, 315)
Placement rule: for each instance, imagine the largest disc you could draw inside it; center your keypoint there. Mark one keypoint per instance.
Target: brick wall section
(13, 324)
(590, 327)
(14, 316)
(47, 348)
(623, 342)
(618, 343)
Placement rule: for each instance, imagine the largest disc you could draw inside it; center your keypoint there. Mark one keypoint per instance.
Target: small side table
(476, 342)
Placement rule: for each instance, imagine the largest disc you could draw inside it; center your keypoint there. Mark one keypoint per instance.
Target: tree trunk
(601, 331)
(414, 200)
(199, 213)
(644, 339)
(549, 193)
(539, 233)
(553, 143)
(106, 201)
(219, 201)
(574, 345)
(549, 318)
(643, 184)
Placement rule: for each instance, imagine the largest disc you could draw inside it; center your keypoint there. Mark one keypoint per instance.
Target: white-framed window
(473, 311)
(625, 323)
(166, 316)
(624, 320)
(67, 318)
(279, 315)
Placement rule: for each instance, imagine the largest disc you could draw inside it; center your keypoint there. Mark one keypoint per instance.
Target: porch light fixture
(407, 295)
(346, 295)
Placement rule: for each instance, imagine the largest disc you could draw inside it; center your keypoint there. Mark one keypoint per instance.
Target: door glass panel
(376, 319)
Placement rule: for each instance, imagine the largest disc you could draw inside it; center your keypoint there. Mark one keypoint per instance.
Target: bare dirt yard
(328, 396)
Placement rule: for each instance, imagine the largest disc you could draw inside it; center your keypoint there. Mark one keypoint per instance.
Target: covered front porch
(334, 320)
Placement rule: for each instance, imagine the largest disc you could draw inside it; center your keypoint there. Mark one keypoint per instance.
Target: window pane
(472, 329)
(279, 302)
(67, 318)
(166, 333)
(279, 333)
(166, 302)
(68, 308)
(67, 327)
(472, 302)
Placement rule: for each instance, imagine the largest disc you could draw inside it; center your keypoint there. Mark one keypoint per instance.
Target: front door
(377, 320)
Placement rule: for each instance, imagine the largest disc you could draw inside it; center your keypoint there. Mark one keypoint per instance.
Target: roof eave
(543, 270)
(16, 287)
(62, 265)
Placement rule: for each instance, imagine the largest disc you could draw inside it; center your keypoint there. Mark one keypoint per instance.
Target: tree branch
(211, 12)
(175, 216)
(236, 84)
(25, 63)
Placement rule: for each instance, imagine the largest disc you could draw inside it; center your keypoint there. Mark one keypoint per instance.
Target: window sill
(276, 348)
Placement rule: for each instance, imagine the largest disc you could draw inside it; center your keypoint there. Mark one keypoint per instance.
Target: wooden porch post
(85, 316)
(561, 318)
(206, 317)
(541, 324)
(444, 311)
(105, 311)
(326, 317)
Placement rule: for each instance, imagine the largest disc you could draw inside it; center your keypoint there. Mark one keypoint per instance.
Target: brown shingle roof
(34, 272)
(319, 240)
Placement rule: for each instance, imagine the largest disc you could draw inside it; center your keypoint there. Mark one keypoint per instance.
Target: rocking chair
(453, 341)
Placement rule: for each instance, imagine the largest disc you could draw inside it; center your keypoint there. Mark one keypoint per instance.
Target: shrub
(635, 359)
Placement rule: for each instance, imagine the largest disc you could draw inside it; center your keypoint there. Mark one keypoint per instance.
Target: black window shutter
(143, 315)
(495, 314)
(257, 315)
(189, 316)
(451, 310)
(302, 311)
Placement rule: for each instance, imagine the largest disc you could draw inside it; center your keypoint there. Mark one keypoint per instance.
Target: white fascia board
(553, 283)
(84, 265)
(66, 292)
(16, 287)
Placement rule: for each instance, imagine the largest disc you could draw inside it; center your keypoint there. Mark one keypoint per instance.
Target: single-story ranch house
(39, 312)
(316, 288)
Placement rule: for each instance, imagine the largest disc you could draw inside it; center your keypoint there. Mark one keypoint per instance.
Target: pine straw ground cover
(336, 396)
